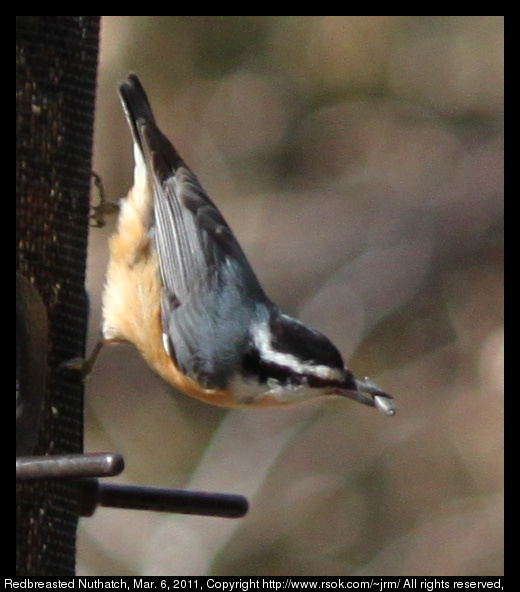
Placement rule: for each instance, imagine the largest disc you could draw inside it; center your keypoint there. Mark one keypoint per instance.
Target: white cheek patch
(267, 353)
(248, 391)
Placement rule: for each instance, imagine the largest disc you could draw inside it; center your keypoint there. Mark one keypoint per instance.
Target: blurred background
(359, 160)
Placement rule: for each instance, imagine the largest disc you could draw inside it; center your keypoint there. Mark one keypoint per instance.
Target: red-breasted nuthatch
(180, 288)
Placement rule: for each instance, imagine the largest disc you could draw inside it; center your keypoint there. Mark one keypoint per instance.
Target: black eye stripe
(263, 371)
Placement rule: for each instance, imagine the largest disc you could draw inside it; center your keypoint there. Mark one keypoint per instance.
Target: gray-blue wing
(210, 292)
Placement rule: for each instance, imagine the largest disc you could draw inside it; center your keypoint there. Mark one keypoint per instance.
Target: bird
(180, 288)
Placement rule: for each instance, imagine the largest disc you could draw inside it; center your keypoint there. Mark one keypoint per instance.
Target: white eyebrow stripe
(262, 338)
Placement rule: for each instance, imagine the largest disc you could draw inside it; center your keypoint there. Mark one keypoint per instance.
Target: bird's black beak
(370, 394)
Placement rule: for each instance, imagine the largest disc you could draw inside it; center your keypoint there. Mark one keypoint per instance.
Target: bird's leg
(104, 207)
(85, 366)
